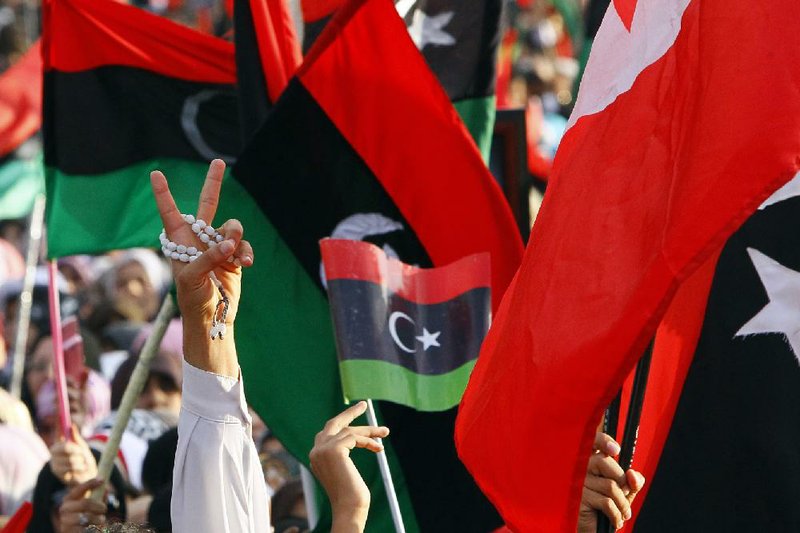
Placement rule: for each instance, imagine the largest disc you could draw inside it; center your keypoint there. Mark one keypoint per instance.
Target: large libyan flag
(126, 92)
(363, 144)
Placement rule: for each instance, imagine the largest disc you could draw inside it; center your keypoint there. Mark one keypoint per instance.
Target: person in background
(22, 455)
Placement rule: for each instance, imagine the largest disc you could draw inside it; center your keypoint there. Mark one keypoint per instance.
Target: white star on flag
(782, 313)
(790, 190)
(425, 30)
(428, 339)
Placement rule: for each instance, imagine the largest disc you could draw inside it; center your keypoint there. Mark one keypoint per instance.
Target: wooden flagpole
(132, 391)
(26, 296)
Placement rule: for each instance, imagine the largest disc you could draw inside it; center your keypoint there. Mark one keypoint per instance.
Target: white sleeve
(218, 485)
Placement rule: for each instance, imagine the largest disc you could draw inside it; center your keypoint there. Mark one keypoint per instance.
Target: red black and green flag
(459, 40)
(126, 92)
(21, 176)
(405, 334)
(363, 144)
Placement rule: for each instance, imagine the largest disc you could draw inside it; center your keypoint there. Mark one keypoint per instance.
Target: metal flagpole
(132, 392)
(383, 465)
(26, 296)
(628, 444)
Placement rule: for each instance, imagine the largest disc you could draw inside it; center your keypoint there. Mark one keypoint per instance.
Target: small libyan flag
(405, 334)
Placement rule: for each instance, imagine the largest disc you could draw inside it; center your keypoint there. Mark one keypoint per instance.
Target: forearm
(217, 356)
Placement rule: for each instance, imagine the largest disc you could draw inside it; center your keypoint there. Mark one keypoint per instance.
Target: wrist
(213, 355)
(349, 519)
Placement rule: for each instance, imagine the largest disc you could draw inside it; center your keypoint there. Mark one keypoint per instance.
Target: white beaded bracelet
(187, 254)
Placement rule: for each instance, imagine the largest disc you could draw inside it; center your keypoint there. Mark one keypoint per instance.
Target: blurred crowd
(116, 296)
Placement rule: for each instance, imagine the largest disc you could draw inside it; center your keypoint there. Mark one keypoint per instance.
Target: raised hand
(197, 294)
(331, 464)
(71, 461)
(606, 487)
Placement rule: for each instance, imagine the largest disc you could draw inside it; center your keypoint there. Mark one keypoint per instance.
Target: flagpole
(132, 391)
(59, 373)
(610, 423)
(26, 296)
(631, 434)
(386, 474)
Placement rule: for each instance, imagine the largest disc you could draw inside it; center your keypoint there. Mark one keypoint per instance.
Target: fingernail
(226, 247)
(612, 448)
(627, 515)
(247, 259)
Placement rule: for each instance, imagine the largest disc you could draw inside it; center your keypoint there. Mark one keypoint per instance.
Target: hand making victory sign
(198, 296)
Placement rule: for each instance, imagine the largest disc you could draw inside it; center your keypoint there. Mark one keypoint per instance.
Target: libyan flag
(126, 92)
(405, 334)
(363, 144)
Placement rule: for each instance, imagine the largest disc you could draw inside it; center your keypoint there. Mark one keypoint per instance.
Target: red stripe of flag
(278, 47)
(363, 261)
(96, 33)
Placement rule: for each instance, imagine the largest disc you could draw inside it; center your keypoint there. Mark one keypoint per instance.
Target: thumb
(216, 256)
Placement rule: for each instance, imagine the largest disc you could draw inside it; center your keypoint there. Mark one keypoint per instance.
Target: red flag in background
(653, 174)
(21, 100)
(19, 522)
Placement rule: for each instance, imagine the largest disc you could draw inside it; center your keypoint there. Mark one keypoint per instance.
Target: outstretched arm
(331, 464)
(218, 485)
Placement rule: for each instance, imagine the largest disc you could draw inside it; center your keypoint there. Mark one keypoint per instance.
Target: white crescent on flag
(619, 56)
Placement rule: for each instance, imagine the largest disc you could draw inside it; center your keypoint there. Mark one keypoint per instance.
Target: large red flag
(679, 132)
(21, 100)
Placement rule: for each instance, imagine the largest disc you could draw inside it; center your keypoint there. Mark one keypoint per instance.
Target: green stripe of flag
(478, 115)
(20, 182)
(372, 378)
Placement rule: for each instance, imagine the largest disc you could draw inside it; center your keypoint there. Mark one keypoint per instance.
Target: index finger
(209, 196)
(345, 418)
(170, 215)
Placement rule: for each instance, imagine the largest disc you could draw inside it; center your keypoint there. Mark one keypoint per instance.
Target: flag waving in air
(126, 92)
(678, 134)
(405, 334)
(363, 145)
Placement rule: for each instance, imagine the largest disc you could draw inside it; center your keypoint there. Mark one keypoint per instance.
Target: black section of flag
(731, 461)
(251, 82)
(459, 41)
(134, 115)
(309, 181)
(455, 328)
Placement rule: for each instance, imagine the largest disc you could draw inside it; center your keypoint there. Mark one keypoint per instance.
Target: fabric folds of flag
(267, 55)
(653, 174)
(126, 92)
(736, 365)
(405, 334)
(459, 40)
(363, 144)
